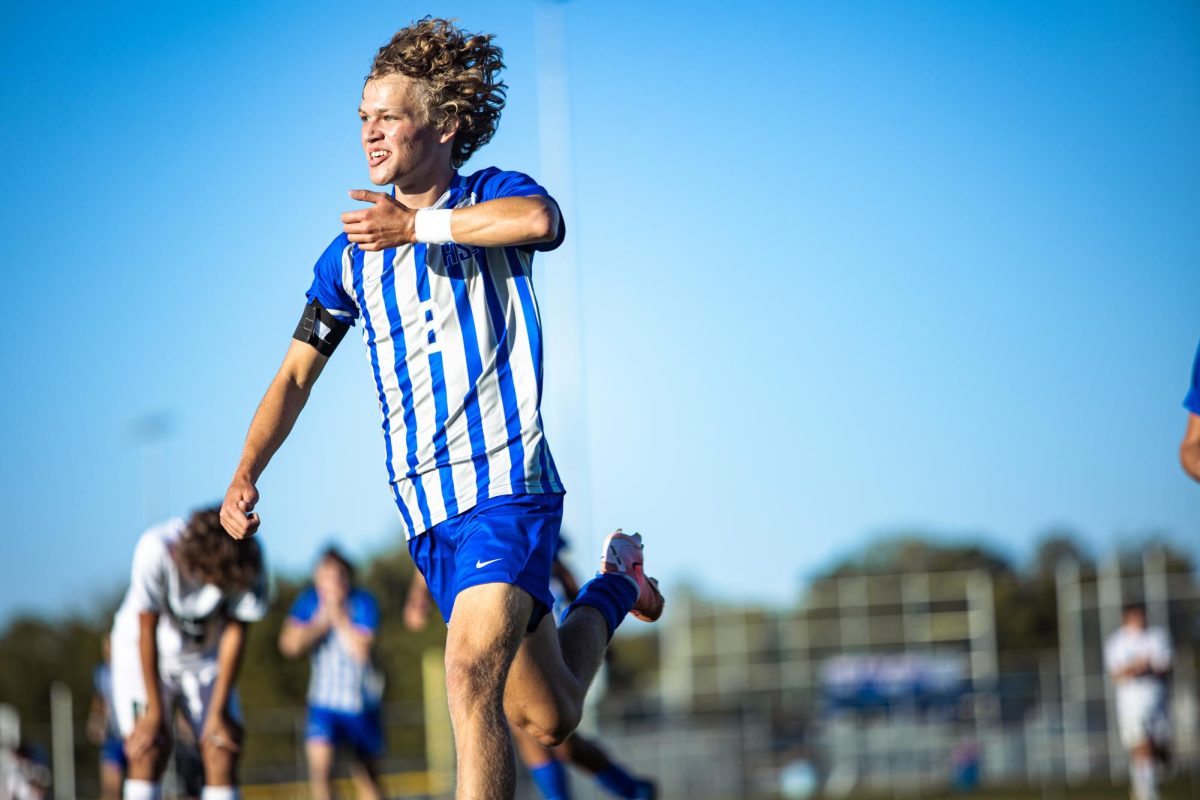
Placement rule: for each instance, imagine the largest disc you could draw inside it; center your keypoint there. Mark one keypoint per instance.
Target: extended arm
(416, 605)
(505, 221)
(219, 729)
(1189, 450)
(149, 726)
(297, 638)
(97, 719)
(567, 578)
(272, 423)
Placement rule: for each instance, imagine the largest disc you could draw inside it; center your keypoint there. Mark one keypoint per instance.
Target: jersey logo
(456, 254)
(482, 564)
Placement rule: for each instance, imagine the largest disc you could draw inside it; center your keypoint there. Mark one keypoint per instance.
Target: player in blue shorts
(1189, 450)
(547, 766)
(102, 729)
(438, 273)
(336, 623)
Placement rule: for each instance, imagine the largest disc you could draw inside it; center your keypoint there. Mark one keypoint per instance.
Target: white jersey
(454, 341)
(191, 614)
(1141, 701)
(1127, 647)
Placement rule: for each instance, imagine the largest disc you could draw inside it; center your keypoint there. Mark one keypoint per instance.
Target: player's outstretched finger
(351, 217)
(368, 196)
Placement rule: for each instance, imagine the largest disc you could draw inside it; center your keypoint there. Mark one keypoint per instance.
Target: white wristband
(433, 225)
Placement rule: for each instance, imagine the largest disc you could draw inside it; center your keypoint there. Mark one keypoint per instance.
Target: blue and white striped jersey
(338, 681)
(454, 339)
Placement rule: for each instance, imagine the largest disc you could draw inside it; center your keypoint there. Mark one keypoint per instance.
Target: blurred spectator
(1138, 660)
(335, 623)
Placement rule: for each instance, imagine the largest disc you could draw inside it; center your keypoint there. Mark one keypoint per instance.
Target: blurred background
(874, 318)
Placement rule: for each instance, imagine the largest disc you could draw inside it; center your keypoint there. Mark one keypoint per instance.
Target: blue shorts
(113, 752)
(362, 731)
(510, 539)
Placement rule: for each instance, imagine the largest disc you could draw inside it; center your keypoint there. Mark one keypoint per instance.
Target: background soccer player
(454, 339)
(1189, 450)
(336, 623)
(1138, 660)
(177, 640)
(102, 728)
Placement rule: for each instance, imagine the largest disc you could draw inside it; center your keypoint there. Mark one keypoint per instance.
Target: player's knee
(219, 762)
(553, 726)
(152, 761)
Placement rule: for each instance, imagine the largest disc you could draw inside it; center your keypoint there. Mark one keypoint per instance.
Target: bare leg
(320, 767)
(111, 777)
(220, 764)
(1142, 767)
(583, 753)
(486, 628)
(365, 773)
(151, 764)
(551, 675)
(532, 754)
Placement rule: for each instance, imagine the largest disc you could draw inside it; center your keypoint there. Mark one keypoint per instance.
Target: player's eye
(391, 118)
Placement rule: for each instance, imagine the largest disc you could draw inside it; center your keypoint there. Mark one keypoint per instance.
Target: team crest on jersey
(455, 254)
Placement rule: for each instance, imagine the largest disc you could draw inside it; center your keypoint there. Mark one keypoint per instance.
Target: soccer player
(336, 623)
(102, 728)
(439, 273)
(547, 766)
(1189, 450)
(177, 641)
(1138, 660)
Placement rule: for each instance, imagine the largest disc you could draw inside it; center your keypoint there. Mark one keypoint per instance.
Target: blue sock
(551, 780)
(610, 593)
(619, 782)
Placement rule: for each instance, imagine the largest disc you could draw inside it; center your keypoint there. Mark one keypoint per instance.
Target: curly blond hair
(457, 72)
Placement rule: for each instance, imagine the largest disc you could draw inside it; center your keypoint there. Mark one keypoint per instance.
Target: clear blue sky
(844, 268)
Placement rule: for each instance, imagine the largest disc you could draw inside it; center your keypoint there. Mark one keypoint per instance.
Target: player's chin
(382, 175)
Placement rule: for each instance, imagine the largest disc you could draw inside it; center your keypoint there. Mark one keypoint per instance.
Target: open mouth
(377, 157)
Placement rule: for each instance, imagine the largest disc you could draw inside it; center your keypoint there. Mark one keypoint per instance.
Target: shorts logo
(482, 564)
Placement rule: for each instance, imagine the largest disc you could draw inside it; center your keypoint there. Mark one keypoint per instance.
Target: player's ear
(449, 131)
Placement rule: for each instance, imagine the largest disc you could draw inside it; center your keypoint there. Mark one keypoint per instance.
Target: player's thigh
(111, 777)
(128, 687)
(539, 678)
(486, 628)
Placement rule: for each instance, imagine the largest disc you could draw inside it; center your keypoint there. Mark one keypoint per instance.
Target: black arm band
(319, 328)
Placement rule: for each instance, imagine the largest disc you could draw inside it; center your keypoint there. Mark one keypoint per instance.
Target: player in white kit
(1138, 659)
(177, 642)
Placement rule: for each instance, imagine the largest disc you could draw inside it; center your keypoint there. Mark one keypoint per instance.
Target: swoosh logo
(482, 564)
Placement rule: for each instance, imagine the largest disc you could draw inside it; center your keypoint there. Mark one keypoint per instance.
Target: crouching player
(177, 642)
(1138, 660)
(336, 623)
